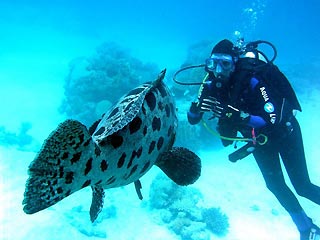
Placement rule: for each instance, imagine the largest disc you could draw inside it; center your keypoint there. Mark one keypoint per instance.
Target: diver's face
(221, 65)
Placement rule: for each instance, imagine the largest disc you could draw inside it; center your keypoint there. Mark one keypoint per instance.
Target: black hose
(183, 69)
(256, 43)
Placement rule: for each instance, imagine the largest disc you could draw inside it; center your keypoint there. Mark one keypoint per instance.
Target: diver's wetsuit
(270, 114)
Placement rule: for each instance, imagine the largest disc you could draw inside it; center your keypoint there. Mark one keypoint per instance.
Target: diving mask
(224, 61)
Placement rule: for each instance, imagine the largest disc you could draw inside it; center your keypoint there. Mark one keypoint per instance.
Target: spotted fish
(137, 133)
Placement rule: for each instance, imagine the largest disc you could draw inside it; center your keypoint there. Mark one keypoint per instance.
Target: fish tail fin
(181, 165)
(59, 168)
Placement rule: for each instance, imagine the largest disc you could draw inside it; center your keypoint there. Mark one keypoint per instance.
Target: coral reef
(96, 82)
(178, 208)
(78, 218)
(216, 221)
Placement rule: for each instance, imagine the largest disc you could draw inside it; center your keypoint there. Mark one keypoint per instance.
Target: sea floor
(237, 188)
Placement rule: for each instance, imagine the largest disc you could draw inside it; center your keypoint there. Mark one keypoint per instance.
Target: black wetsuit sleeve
(268, 105)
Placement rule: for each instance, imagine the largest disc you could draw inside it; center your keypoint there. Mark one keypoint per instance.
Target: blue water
(39, 40)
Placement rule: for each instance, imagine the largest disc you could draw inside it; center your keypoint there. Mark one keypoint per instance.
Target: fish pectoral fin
(97, 202)
(181, 165)
(138, 187)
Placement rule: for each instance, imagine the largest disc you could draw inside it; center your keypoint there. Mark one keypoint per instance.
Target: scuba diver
(250, 95)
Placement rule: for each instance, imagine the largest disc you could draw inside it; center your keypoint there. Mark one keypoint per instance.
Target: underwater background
(74, 59)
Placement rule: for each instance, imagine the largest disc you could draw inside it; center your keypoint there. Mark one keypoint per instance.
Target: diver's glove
(224, 112)
(209, 104)
(194, 115)
(194, 108)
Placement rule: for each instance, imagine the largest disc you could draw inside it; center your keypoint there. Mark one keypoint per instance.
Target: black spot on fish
(145, 130)
(133, 170)
(87, 142)
(97, 150)
(135, 125)
(59, 190)
(156, 124)
(135, 91)
(81, 137)
(151, 147)
(65, 155)
(114, 112)
(151, 100)
(111, 180)
(167, 108)
(104, 165)
(57, 198)
(97, 183)
(100, 131)
(69, 177)
(75, 158)
(162, 90)
(104, 142)
(86, 183)
(88, 167)
(131, 160)
(116, 140)
(170, 130)
(94, 126)
(61, 171)
(121, 160)
(139, 152)
(145, 167)
(133, 155)
(160, 142)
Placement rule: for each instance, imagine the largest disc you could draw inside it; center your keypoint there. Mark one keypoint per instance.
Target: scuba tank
(252, 60)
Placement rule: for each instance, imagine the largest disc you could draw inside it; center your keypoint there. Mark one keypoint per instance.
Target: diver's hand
(225, 112)
(210, 104)
(194, 108)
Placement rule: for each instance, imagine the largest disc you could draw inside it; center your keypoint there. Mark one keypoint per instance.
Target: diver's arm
(269, 109)
(195, 114)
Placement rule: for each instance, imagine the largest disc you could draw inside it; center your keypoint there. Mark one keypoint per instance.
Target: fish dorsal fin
(125, 110)
(122, 113)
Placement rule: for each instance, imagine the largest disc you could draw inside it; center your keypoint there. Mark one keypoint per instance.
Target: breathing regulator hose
(186, 68)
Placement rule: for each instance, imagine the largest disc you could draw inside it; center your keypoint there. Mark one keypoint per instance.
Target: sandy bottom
(237, 188)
